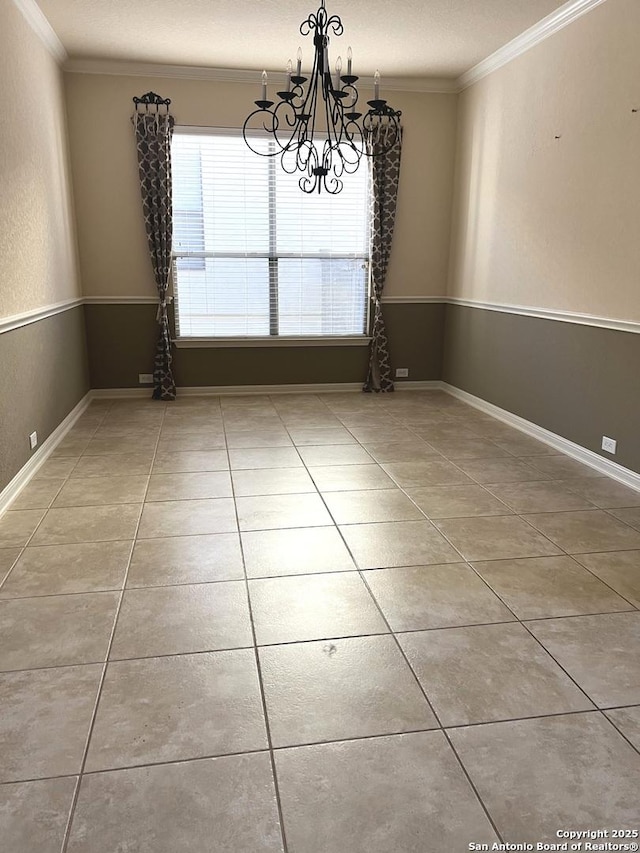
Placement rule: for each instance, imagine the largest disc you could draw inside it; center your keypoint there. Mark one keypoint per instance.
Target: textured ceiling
(404, 38)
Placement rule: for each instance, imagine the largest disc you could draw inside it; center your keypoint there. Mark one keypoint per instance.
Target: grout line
(263, 699)
(76, 793)
(351, 739)
(64, 479)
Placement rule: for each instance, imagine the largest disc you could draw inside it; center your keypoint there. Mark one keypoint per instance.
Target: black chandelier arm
(294, 122)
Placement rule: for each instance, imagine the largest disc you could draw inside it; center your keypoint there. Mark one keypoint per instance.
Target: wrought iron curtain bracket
(150, 101)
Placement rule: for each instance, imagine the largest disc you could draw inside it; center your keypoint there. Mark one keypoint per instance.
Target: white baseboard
(234, 390)
(13, 489)
(570, 448)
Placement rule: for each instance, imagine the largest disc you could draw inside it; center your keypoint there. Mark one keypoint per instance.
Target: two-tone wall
(43, 363)
(114, 259)
(547, 222)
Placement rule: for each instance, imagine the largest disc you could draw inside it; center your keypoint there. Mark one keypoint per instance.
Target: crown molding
(554, 22)
(238, 75)
(35, 17)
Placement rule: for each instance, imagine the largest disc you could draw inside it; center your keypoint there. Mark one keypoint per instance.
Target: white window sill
(319, 341)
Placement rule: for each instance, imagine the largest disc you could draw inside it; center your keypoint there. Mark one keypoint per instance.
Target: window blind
(254, 255)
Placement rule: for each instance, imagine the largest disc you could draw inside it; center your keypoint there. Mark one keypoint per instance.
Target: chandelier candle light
(318, 131)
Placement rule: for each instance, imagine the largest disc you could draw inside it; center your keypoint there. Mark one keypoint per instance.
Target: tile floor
(315, 624)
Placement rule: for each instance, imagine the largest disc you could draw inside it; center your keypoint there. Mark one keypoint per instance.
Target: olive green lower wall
(122, 342)
(580, 382)
(44, 376)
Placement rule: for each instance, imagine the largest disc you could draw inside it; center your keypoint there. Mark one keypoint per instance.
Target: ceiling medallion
(317, 130)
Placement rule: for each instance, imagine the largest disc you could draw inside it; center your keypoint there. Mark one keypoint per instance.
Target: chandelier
(318, 130)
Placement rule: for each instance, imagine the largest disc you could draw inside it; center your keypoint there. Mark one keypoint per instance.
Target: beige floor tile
(619, 569)
(379, 795)
(313, 607)
(320, 436)
(444, 431)
(579, 532)
(61, 569)
(540, 587)
(69, 446)
(522, 445)
(258, 438)
(186, 559)
(295, 551)
(226, 804)
(629, 516)
(8, 557)
(274, 511)
(343, 478)
(599, 652)
(272, 481)
(208, 440)
(549, 496)
(175, 708)
(603, 492)
(129, 432)
(580, 773)
(419, 473)
(33, 815)
(118, 444)
(189, 486)
(562, 467)
(66, 525)
(628, 721)
(45, 720)
(187, 518)
(420, 597)
(264, 457)
(407, 451)
(398, 543)
(173, 620)
(56, 630)
(456, 501)
(102, 491)
(178, 462)
(57, 468)
(500, 470)
(118, 465)
(489, 672)
(17, 527)
(467, 448)
(370, 434)
(356, 687)
(370, 506)
(334, 454)
(495, 538)
(38, 494)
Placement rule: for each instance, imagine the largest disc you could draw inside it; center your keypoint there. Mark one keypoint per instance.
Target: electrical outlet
(402, 372)
(145, 378)
(609, 444)
(33, 440)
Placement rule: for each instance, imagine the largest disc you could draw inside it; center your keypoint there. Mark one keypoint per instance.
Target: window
(254, 256)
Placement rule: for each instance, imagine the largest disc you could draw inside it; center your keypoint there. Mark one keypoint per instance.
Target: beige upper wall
(113, 250)
(545, 222)
(37, 240)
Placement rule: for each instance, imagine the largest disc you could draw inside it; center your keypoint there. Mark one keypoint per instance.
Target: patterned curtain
(153, 141)
(385, 174)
